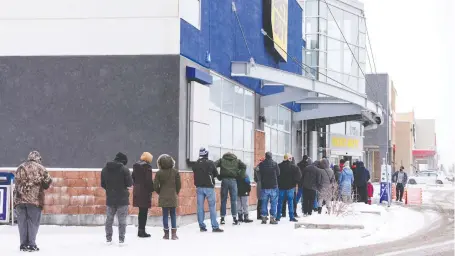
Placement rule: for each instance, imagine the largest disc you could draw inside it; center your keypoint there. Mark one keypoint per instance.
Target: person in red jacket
(370, 189)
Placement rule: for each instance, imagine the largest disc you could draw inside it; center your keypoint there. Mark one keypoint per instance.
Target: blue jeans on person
(166, 212)
(229, 186)
(289, 194)
(272, 196)
(202, 194)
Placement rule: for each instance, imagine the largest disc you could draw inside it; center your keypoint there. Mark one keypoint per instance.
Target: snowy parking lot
(246, 239)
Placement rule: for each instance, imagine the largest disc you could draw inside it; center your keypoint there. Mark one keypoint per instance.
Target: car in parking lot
(427, 177)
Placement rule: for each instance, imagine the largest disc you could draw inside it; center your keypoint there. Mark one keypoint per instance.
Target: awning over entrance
(340, 101)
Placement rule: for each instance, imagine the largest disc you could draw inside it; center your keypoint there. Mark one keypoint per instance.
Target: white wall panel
(83, 27)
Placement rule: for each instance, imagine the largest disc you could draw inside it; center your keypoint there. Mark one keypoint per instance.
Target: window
(278, 134)
(231, 121)
(190, 11)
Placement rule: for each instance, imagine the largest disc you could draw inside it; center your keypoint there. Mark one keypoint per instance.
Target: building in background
(379, 144)
(425, 152)
(405, 141)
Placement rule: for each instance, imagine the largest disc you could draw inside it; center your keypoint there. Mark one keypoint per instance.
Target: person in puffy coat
(327, 185)
(167, 184)
(142, 190)
(345, 182)
(244, 189)
(361, 178)
(257, 179)
(312, 176)
(31, 180)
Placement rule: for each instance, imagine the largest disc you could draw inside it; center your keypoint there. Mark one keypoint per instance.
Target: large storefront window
(231, 121)
(278, 131)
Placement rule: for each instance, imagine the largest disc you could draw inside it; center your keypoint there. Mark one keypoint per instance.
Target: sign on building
(345, 145)
(275, 19)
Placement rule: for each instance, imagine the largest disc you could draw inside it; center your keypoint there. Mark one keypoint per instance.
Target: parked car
(427, 177)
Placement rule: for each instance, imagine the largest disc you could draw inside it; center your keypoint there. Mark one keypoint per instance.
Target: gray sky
(413, 41)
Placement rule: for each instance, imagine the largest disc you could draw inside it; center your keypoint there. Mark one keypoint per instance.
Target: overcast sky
(413, 41)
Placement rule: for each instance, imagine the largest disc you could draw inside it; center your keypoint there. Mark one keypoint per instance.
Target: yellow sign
(344, 142)
(280, 26)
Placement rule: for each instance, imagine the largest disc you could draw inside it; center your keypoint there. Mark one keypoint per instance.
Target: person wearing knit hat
(289, 177)
(205, 173)
(142, 190)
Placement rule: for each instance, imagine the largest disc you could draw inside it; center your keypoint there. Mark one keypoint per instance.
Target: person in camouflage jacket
(31, 179)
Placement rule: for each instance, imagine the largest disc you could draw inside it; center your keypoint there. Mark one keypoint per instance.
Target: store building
(405, 141)
(379, 144)
(425, 152)
(160, 76)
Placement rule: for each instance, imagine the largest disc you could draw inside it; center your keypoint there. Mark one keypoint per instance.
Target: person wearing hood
(142, 190)
(269, 171)
(116, 179)
(31, 179)
(205, 173)
(167, 184)
(361, 178)
(302, 165)
(231, 168)
(345, 182)
(257, 179)
(312, 178)
(328, 185)
(289, 177)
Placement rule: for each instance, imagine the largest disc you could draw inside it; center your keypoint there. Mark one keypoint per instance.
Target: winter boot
(236, 222)
(203, 229)
(217, 230)
(222, 222)
(241, 217)
(319, 210)
(174, 234)
(141, 233)
(246, 219)
(293, 220)
(24, 248)
(166, 234)
(273, 221)
(33, 248)
(264, 220)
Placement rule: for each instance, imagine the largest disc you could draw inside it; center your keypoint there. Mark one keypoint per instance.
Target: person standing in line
(312, 177)
(269, 171)
(257, 179)
(31, 180)
(289, 177)
(244, 189)
(328, 184)
(400, 178)
(142, 190)
(167, 184)
(346, 181)
(116, 179)
(302, 165)
(230, 169)
(361, 178)
(205, 173)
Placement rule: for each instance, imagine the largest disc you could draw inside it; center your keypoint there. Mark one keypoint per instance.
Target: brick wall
(259, 145)
(79, 192)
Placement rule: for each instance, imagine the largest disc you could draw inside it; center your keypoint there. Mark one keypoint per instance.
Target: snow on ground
(247, 239)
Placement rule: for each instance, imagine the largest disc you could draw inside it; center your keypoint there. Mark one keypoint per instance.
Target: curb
(372, 212)
(328, 226)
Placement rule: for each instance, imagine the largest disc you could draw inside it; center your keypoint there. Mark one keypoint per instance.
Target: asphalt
(435, 239)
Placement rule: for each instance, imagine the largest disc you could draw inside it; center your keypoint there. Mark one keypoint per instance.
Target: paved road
(436, 239)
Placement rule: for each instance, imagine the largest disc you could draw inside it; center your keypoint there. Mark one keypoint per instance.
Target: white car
(426, 177)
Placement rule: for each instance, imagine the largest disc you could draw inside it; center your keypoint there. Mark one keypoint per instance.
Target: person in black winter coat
(269, 172)
(244, 189)
(361, 178)
(302, 165)
(290, 175)
(312, 183)
(142, 190)
(205, 173)
(116, 179)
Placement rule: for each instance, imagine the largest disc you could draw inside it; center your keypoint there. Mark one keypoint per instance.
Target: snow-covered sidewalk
(247, 239)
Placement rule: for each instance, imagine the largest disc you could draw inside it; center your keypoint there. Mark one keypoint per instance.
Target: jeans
(166, 212)
(229, 186)
(202, 194)
(242, 204)
(289, 194)
(400, 191)
(272, 196)
(28, 221)
(122, 213)
(142, 217)
(308, 200)
(283, 205)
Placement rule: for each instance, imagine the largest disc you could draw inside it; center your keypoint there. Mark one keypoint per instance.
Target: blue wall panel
(220, 35)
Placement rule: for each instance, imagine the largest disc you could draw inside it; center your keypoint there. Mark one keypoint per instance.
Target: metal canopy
(359, 102)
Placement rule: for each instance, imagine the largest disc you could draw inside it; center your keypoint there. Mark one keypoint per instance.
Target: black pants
(308, 200)
(285, 200)
(259, 204)
(400, 191)
(142, 217)
(362, 194)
